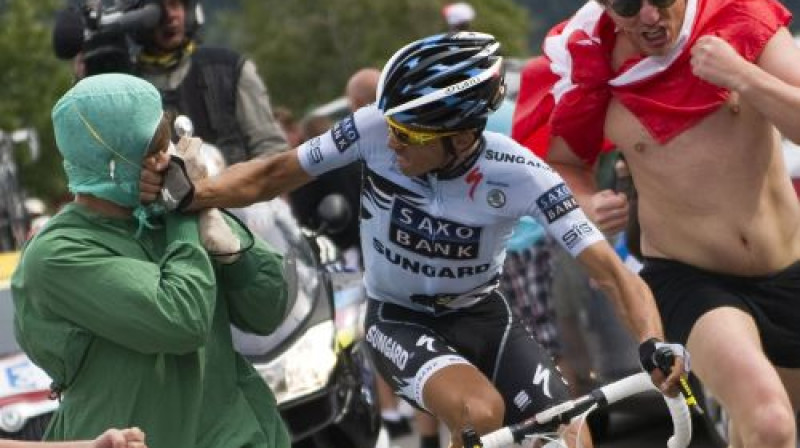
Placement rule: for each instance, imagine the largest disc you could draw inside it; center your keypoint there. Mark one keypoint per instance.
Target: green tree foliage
(307, 49)
(32, 79)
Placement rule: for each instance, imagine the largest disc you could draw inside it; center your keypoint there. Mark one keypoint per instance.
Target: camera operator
(217, 88)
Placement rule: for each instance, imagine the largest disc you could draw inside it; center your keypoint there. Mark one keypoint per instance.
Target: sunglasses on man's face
(408, 136)
(629, 8)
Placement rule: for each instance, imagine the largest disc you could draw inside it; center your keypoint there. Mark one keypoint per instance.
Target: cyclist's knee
(482, 411)
(771, 425)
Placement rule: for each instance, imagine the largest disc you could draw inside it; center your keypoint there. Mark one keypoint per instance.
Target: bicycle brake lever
(663, 358)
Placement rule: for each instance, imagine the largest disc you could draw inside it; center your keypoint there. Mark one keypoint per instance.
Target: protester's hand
(716, 61)
(152, 177)
(666, 363)
(120, 438)
(218, 237)
(608, 210)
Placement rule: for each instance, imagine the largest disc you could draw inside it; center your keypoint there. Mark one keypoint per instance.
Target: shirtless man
(720, 221)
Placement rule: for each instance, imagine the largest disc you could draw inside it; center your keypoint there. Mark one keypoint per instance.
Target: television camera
(104, 33)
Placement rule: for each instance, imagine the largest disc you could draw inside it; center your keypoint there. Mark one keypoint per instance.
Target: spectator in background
(361, 88)
(458, 16)
(217, 88)
(289, 126)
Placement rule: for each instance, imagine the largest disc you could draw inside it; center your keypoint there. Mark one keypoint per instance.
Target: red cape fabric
(666, 102)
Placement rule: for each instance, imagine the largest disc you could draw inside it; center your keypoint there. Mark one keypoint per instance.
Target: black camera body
(106, 35)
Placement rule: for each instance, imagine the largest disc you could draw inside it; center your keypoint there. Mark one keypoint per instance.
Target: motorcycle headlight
(305, 367)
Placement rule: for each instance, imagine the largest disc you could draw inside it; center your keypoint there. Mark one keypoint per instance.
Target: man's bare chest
(720, 156)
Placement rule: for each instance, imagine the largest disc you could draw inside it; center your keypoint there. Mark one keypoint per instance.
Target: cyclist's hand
(666, 363)
(609, 211)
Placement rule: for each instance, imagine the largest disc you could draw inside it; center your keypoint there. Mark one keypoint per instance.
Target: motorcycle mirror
(334, 213)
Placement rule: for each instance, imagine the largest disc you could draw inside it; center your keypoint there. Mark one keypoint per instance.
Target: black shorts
(408, 346)
(684, 293)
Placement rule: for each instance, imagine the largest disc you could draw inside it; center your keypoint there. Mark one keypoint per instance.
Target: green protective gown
(135, 331)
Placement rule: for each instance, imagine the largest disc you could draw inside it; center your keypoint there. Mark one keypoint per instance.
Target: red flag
(566, 92)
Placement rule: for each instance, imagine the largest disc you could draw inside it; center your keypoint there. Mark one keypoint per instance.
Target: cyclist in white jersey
(439, 200)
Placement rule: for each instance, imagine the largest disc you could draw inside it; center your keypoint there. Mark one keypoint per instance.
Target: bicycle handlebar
(599, 398)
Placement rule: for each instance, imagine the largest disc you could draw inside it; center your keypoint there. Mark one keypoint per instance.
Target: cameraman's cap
(458, 13)
(103, 127)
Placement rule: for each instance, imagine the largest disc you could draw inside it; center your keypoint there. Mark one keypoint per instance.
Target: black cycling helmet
(444, 82)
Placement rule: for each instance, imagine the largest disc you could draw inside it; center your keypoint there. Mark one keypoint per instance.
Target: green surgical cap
(103, 127)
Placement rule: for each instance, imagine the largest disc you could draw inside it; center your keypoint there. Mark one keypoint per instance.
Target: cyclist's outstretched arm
(255, 180)
(239, 185)
(633, 302)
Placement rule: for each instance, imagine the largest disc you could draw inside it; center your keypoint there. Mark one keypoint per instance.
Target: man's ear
(464, 140)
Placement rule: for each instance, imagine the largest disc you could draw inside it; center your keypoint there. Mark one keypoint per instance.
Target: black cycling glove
(178, 190)
(654, 354)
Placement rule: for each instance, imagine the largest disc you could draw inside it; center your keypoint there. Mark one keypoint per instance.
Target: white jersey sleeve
(347, 141)
(556, 208)
(549, 200)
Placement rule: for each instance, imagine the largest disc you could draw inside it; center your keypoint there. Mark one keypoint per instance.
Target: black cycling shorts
(684, 293)
(408, 346)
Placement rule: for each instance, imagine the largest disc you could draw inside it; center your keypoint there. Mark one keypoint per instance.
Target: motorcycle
(316, 361)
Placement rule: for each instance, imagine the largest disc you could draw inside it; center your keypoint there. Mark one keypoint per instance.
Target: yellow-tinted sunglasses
(407, 136)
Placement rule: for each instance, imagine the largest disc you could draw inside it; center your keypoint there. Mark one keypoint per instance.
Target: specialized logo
(542, 377)
(474, 178)
(577, 233)
(556, 202)
(388, 347)
(496, 198)
(433, 237)
(315, 149)
(345, 133)
(427, 342)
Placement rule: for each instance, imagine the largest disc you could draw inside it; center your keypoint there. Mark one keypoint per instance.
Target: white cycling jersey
(428, 240)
